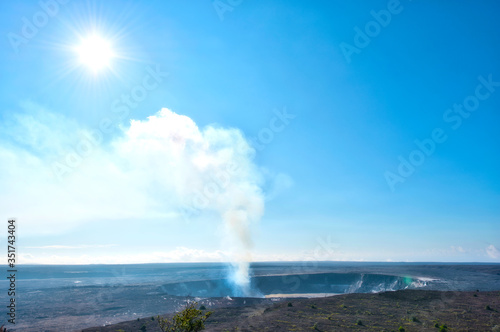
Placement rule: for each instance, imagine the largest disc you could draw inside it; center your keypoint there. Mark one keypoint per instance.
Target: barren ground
(413, 310)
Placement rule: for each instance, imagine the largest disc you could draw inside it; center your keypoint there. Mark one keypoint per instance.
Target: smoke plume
(160, 168)
(214, 171)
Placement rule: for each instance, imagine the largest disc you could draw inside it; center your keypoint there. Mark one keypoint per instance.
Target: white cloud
(83, 246)
(493, 252)
(457, 249)
(179, 254)
(158, 168)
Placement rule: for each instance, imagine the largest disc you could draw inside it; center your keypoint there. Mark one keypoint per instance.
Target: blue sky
(339, 178)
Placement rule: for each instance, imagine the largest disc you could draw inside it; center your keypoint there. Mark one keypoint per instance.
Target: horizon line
(229, 262)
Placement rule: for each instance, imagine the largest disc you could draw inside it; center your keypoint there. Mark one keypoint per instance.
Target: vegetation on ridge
(191, 319)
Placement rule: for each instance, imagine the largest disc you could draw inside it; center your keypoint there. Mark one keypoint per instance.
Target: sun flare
(95, 52)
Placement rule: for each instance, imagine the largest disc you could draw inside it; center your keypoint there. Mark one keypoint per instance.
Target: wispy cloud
(83, 246)
(493, 252)
(179, 254)
(458, 249)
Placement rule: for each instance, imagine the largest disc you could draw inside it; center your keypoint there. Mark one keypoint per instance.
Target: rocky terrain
(411, 310)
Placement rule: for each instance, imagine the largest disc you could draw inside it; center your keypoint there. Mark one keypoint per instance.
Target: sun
(95, 52)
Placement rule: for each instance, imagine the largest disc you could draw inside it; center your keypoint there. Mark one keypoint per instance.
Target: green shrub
(443, 328)
(152, 318)
(401, 329)
(314, 306)
(414, 319)
(190, 319)
(202, 307)
(488, 307)
(143, 328)
(290, 304)
(359, 322)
